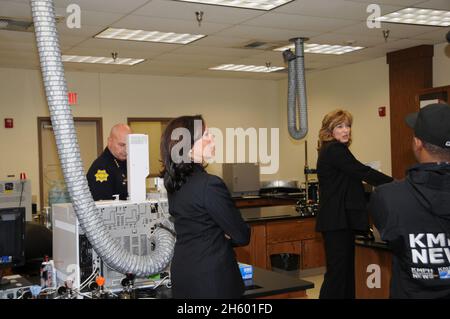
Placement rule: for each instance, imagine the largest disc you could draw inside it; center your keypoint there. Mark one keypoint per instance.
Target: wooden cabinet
(313, 253)
(296, 236)
(372, 272)
(254, 253)
(290, 230)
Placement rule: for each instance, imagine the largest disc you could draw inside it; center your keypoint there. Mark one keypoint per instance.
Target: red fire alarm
(9, 123)
(382, 111)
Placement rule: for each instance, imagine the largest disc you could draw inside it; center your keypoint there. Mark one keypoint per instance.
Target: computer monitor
(16, 193)
(12, 238)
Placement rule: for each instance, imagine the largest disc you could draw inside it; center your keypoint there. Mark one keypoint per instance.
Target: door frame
(99, 125)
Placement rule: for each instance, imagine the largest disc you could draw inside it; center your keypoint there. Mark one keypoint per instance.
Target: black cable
(21, 193)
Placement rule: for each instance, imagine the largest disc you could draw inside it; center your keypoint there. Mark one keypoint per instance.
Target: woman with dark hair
(343, 206)
(207, 222)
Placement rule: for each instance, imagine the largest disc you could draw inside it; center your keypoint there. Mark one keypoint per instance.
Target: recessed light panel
(248, 4)
(100, 60)
(148, 36)
(247, 68)
(437, 18)
(323, 48)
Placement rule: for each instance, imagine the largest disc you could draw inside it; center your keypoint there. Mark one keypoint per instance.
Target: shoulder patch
(101, 176)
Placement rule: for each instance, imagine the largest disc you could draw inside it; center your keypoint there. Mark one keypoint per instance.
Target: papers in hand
(376, 165)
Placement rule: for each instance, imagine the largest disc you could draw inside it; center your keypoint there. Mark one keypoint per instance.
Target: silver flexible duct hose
(69, 155)
(297, 89)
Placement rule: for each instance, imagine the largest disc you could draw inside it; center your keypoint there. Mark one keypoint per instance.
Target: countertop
(264, 283)
(268, 283)
(372, 244)
(262, 214)
(292, 196)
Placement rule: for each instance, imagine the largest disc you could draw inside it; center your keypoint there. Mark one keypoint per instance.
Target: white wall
(223, 103)
(359, 88)
(441, 65)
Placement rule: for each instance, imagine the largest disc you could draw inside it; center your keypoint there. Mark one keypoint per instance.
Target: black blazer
(342, 202)
(204, 263)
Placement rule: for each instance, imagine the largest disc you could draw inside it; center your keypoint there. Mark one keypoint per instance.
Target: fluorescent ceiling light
(148, 36)
(439, 18)
(323, 48)
(246, 68)
(100, 59)
(248, 4)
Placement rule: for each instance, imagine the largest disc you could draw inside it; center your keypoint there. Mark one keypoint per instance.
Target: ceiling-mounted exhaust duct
(297, 107)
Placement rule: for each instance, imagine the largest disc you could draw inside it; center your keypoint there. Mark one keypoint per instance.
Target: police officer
(107, 175)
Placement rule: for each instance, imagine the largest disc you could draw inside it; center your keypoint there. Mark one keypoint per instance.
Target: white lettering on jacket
(430, 248)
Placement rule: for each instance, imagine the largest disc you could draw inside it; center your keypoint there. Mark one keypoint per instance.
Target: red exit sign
(73, 98)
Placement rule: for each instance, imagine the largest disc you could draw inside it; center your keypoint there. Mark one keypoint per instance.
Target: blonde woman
(342, 202)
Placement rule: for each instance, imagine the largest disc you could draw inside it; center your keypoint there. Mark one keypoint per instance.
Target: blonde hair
(329, 122)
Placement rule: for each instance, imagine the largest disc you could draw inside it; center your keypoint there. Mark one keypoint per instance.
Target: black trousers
(339, 280)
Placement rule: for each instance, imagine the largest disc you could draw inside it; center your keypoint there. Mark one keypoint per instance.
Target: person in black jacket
(107, 175)
(413, 215)
(207, 223)
(342, 205)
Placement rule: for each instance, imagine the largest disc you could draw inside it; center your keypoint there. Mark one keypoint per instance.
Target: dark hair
(176, 170)
(443, 154)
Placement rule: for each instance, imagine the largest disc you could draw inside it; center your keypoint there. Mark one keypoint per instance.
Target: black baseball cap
(432, 124)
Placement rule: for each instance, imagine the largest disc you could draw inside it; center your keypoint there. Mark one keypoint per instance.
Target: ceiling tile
(297, 22)
(435, 4)
(186, 11)
(158, 72)
(147, 48)
(347, 39)
(19, 47)
(15, 9)
(389, 46)
(332, 9)
(438, 36)
(265, 34)
(68, 41)
(168, 25)
(13, 36)
(95, 18)
(84, 51)
(221, 42)
(211, 51)
(186, 59)
(85, 31)
(275, 59)
(240, 75)
(88, 67)
(397, 31)
(113, 6)
(390, 2)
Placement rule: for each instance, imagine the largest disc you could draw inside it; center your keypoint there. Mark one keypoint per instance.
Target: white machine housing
(137, 166)
(129, 223)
